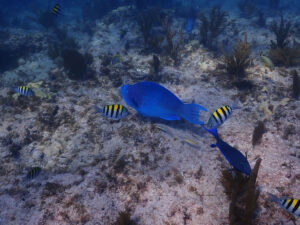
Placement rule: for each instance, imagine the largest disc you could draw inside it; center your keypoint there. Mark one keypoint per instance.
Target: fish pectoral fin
(213, 145)
(135, 104)
(170, 117)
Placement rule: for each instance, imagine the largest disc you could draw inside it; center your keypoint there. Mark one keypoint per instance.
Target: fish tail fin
(273, 198)
(212, 131)
(191, 113)
(97, 109)
(235, 104)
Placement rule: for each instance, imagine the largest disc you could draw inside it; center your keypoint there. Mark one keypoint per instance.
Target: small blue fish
(291, 205)
(189, 25)
(153, 100)
(23, 90)
(233, 156)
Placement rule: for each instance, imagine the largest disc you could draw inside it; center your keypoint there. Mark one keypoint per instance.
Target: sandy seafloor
(93, 168)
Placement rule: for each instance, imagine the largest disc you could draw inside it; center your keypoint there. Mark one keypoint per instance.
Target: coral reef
(243, 194)
(287, 56)
(173, 46)
(258, 132)
(282, 32)
(145, 22)
(281, 53)
(140, 170)
(237, 62)
(212, 26)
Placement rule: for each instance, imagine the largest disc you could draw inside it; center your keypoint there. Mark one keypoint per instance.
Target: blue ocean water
(146, 158)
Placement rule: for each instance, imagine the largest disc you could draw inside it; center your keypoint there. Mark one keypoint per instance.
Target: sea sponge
(124, 219)
(258, 132)
(212, 25)
(243, 194)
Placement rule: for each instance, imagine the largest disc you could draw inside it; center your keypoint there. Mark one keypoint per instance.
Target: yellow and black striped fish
(56, 9)
(219, 116)
(34, 172)
(291, 205)
(115, 111)
(23, 90)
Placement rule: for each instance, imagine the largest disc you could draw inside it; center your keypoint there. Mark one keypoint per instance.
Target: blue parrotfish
(291, 205)
(153, 100)
(233, 156)
(189, 25)
(23, 90)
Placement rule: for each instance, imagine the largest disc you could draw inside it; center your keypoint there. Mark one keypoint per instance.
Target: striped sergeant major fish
(291, 205)
(34, 172)
(24, 90)
(56, 9)
(221, 115)
(115, 111)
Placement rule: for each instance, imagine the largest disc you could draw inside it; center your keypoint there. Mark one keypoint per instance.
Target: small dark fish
(221, 115)
(123, 33)
(115, 111)
(233, 156)
(34, 172)
(153, 100)
(291, 205)
(56, 9)
(23, 90)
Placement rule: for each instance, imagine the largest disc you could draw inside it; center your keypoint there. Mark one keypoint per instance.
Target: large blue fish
(153, 100)
(189, 25)
(233, 156)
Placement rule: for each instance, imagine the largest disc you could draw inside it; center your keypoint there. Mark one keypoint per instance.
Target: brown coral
(237, 62)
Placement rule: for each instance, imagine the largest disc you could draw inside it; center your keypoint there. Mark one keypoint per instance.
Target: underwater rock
(77, 64)
(258, 132)
(74, 63)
